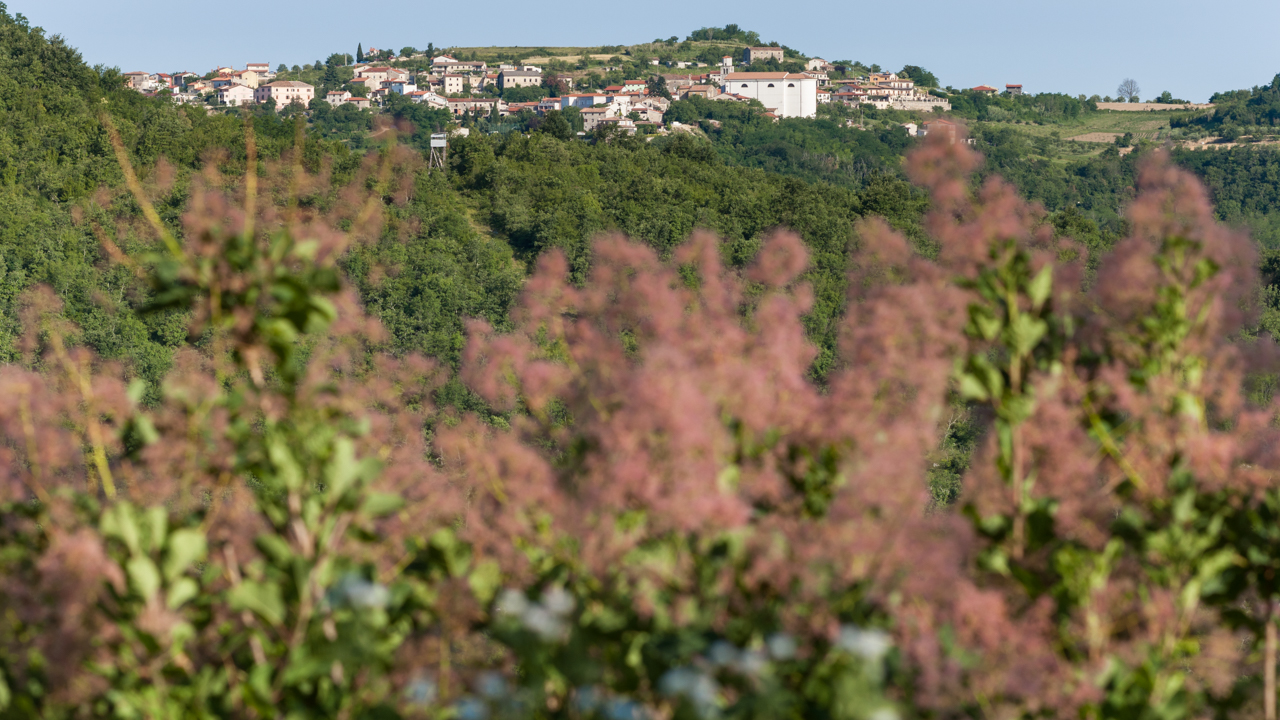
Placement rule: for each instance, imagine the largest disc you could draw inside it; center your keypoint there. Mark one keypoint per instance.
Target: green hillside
(735, 418)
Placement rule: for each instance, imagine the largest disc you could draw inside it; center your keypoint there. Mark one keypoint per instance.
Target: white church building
(786, 94)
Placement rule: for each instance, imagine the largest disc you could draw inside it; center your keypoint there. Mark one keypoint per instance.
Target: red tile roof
(765, 76)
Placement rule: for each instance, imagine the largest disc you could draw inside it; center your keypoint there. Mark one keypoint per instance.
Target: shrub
(657, 512)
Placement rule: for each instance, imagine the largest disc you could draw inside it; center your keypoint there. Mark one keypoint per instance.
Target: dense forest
(797, 419)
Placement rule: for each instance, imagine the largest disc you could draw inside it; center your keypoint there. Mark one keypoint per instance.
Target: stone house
(752, 54)
(518, 78)
(379, 75)
(592, 117)
(491, 107)
(702, 91)
(625, 124)
(453, 84)
(648, 113)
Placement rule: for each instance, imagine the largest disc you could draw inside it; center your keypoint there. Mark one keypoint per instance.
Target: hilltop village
(784, 84)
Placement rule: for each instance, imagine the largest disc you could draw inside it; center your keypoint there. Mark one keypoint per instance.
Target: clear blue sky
(1076, 46)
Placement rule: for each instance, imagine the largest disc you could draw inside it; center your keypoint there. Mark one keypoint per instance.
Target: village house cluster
(798, 94)
(466, 86)
(256, 83)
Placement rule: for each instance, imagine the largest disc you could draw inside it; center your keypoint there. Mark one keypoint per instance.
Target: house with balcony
(235, 94)
(399, 87)
(428, 98)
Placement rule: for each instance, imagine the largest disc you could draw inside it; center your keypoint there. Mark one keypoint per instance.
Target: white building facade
(285, 92)
(786, 94)
(235, 94)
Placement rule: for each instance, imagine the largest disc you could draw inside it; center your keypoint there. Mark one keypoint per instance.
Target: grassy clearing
(601, 53)
(1140, 124)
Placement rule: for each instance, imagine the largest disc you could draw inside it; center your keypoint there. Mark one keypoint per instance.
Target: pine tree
(359, 52)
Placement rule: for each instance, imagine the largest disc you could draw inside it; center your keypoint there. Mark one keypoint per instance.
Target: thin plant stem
(131, 180)
(1269, 664)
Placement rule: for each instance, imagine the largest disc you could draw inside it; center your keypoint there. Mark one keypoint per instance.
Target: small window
(744, 84)
(791, 84)
(770, 84)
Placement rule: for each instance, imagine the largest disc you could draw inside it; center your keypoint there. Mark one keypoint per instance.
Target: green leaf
(322, 314)
(287, 469)
(343, 468)
(306, 249)
(996, 561)
(985, 324)
(635, 650)
(137, 389)
(258, 689)
(457, 556)
(1040, 286)
(120, 522)
(180, 592)
(989, 375)
(143, 575)
(1017, 409)
(972, 388)
(262, 598)
(1026, 332)
(186, 546)
(380, 504)
(280, 331)
(145, 428)
(158, 524)
(484, 580)
(276, 547)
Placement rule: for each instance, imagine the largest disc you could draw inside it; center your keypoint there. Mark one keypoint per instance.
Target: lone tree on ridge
(1129, 89)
